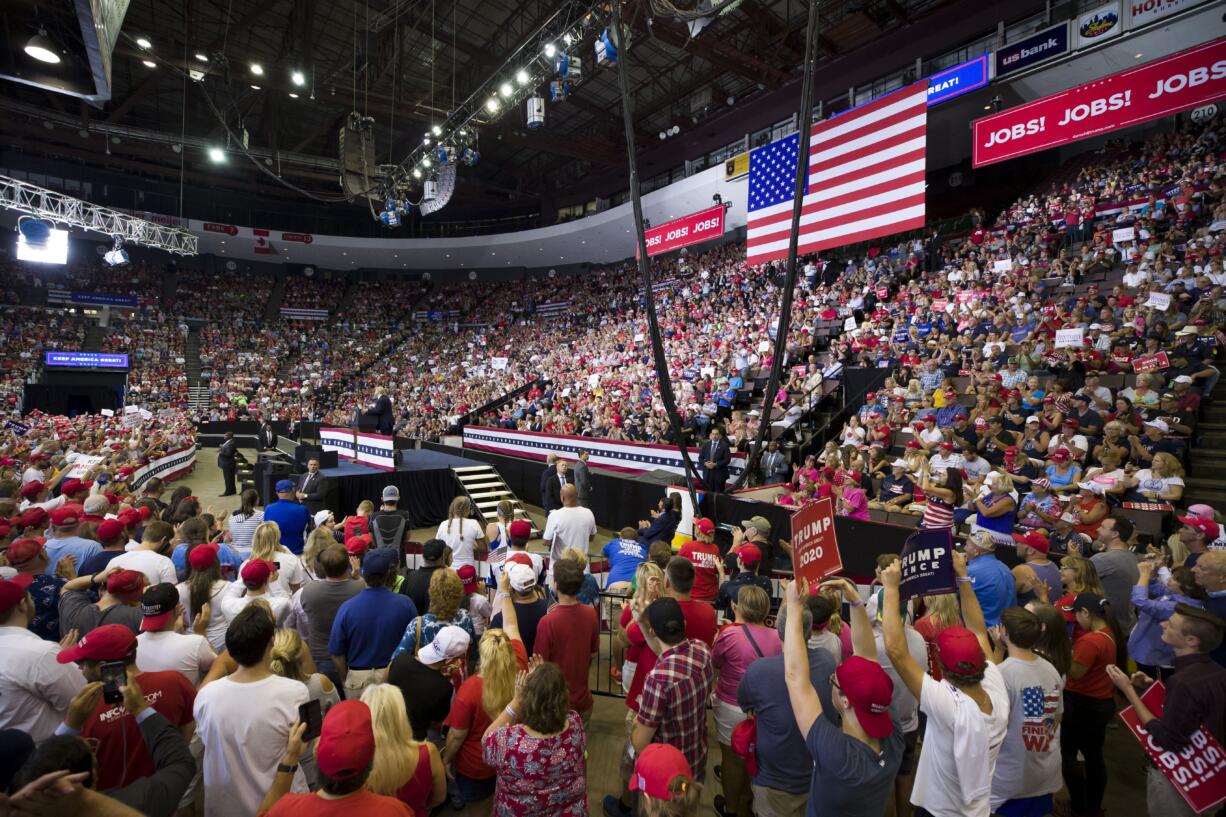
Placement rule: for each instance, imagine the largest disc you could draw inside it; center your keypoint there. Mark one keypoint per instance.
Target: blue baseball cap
(284, 485)
(378, 561)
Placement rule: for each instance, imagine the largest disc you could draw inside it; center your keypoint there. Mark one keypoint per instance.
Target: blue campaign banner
(104, 299)
(1038, 47)
(958, 80)
(928, 563)
(87, 360)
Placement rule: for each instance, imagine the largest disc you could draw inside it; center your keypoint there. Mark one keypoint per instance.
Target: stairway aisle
(1206, 481)
(197, 392)
(486, 488)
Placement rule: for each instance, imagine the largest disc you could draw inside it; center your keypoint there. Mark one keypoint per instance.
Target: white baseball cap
(898, 464)
(449, 642)
(322, 517)
(1158, 424)
(521, 577)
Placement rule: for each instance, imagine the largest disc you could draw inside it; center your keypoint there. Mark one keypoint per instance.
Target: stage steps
(486, 488)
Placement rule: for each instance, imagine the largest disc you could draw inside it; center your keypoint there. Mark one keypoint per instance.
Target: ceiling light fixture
(149, 63)
(505, 89)
(255, 87)
(202, 58)
(293, 95)
(257, 69)
(436, 130)
(521, 77)
(144, 43)
(491, 105)
(299, 78)
(425, 162)
(42, 49)
(550, 50)
(218, 156)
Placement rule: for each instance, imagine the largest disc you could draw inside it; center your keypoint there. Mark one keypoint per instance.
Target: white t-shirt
(461, 535)
(244, 728)
(185, 653)
(35, 689)
(233, 604)
(904, 709)
(156, 567)
(289, 572)
(569, 527)
(1146, 481)
(218, 622)
(958, 759)
(1029, 760)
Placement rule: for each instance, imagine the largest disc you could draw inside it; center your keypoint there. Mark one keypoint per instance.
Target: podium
(364, 421)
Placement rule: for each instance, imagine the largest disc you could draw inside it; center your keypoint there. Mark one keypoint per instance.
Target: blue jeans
(471, 789)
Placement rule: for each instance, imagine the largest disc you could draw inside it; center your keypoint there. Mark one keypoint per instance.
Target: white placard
(1070, 338)
(1123, 234)
(107, 413)
(498, 363)
(1002, 266)
(131, 409)
(1159, 300)
(849, 325)
(707, 371)
(82, 465)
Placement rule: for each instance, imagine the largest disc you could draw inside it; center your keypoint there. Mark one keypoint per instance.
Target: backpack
(387, 530)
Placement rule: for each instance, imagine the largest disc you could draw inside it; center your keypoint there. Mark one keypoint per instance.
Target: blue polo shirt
(994, 586)
(293, 519)
(368, 627)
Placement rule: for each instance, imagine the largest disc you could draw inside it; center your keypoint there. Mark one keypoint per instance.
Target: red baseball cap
(257, 571)
(67, 515)
(1060, 454)
(110, 642)
(912, 444)
(520, 529)
(357, 545)
(74, 486)
(1071, 421)
(125, 583)
(704, 526)
(32, 489)
(346, 741)
(145, 512)
(25, 550)
(947, 446)
(656, 768)
(959, 650)
(32, 518)
(468, 577)
(869, 691)
(202, 557)
(519, 558)
(13, 590)
(110, 529)
(1033, 539)
(1206, 526)
(129, 517)
(749, 553)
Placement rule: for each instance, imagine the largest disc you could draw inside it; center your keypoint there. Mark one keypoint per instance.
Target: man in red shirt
(569, 635)
(703, 553)
(119, 747)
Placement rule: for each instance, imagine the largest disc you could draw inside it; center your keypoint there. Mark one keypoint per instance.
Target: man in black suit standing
(266, 438)
(550, 474)
(226, 461)
(381, 409)
(714, 459)
(312, 488)
(553, 488)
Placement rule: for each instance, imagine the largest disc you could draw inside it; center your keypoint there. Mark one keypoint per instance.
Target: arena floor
(1125, 760)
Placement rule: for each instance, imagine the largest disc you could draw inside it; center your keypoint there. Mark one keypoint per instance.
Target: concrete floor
(1125, 760)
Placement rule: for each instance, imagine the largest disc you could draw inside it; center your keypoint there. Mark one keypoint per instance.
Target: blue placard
(1037, 48)
(958, 80)
(87, 360)
(104, 299)
(927, 563)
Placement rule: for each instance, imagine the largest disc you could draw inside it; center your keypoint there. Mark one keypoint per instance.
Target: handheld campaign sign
(927, 564)
(1198, 772)
(1066, 338)
(815, 550)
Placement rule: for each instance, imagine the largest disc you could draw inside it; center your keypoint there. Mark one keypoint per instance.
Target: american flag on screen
(866, 178)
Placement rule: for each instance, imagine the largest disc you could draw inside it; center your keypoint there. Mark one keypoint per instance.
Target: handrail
(497, 402)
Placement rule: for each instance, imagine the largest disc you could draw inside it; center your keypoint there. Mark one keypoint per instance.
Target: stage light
(426, 141)
(117, 256)
(299, 78)
(663, 136)
(202, 58)
(469, 156)
(217, 155)
(144, 43)
(42, 49)
(521, 77)
(550, 50)
(149, 63)
(567, 39)
(436, 130)
(462, 132)
(505, 89)
(293, 95)
(416, 173)
(257, 69)
(491, 105)
(39, 243)
(425, 162)
(255, 87)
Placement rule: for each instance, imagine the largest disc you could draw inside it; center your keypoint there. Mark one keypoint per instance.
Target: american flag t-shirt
(866, 178)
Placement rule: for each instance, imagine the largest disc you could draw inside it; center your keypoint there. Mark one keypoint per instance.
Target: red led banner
(682, 232)
(1159, 88)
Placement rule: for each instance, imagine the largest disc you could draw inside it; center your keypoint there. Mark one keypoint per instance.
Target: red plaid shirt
(675, 696)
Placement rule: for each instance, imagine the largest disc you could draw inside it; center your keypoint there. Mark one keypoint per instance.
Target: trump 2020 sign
(815, 550)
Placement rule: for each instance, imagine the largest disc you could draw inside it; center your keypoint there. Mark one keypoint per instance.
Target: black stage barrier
(617, 501)
(210, 434)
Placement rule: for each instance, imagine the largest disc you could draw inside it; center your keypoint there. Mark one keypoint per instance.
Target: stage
(425, 479)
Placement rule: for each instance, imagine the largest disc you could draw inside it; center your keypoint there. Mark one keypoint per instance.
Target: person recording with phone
(142, 761)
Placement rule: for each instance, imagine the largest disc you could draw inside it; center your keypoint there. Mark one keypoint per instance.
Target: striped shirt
(937, 513)
(242, 529)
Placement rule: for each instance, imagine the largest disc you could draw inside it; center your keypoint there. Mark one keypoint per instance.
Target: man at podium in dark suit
(381, 409)
(266, 438)
(713, 463)
(312, 488)
(552, 498)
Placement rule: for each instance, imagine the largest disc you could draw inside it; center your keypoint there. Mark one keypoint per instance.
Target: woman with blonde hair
(665, 784)
(447, 606)
(1078, 575)
(462, 533)
(266, 545)
(940, 611)
(319, 539)
(291, 659)
(404, 768)
(480, 700)
(496, 532)
(1162, 481)
(648, 585)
